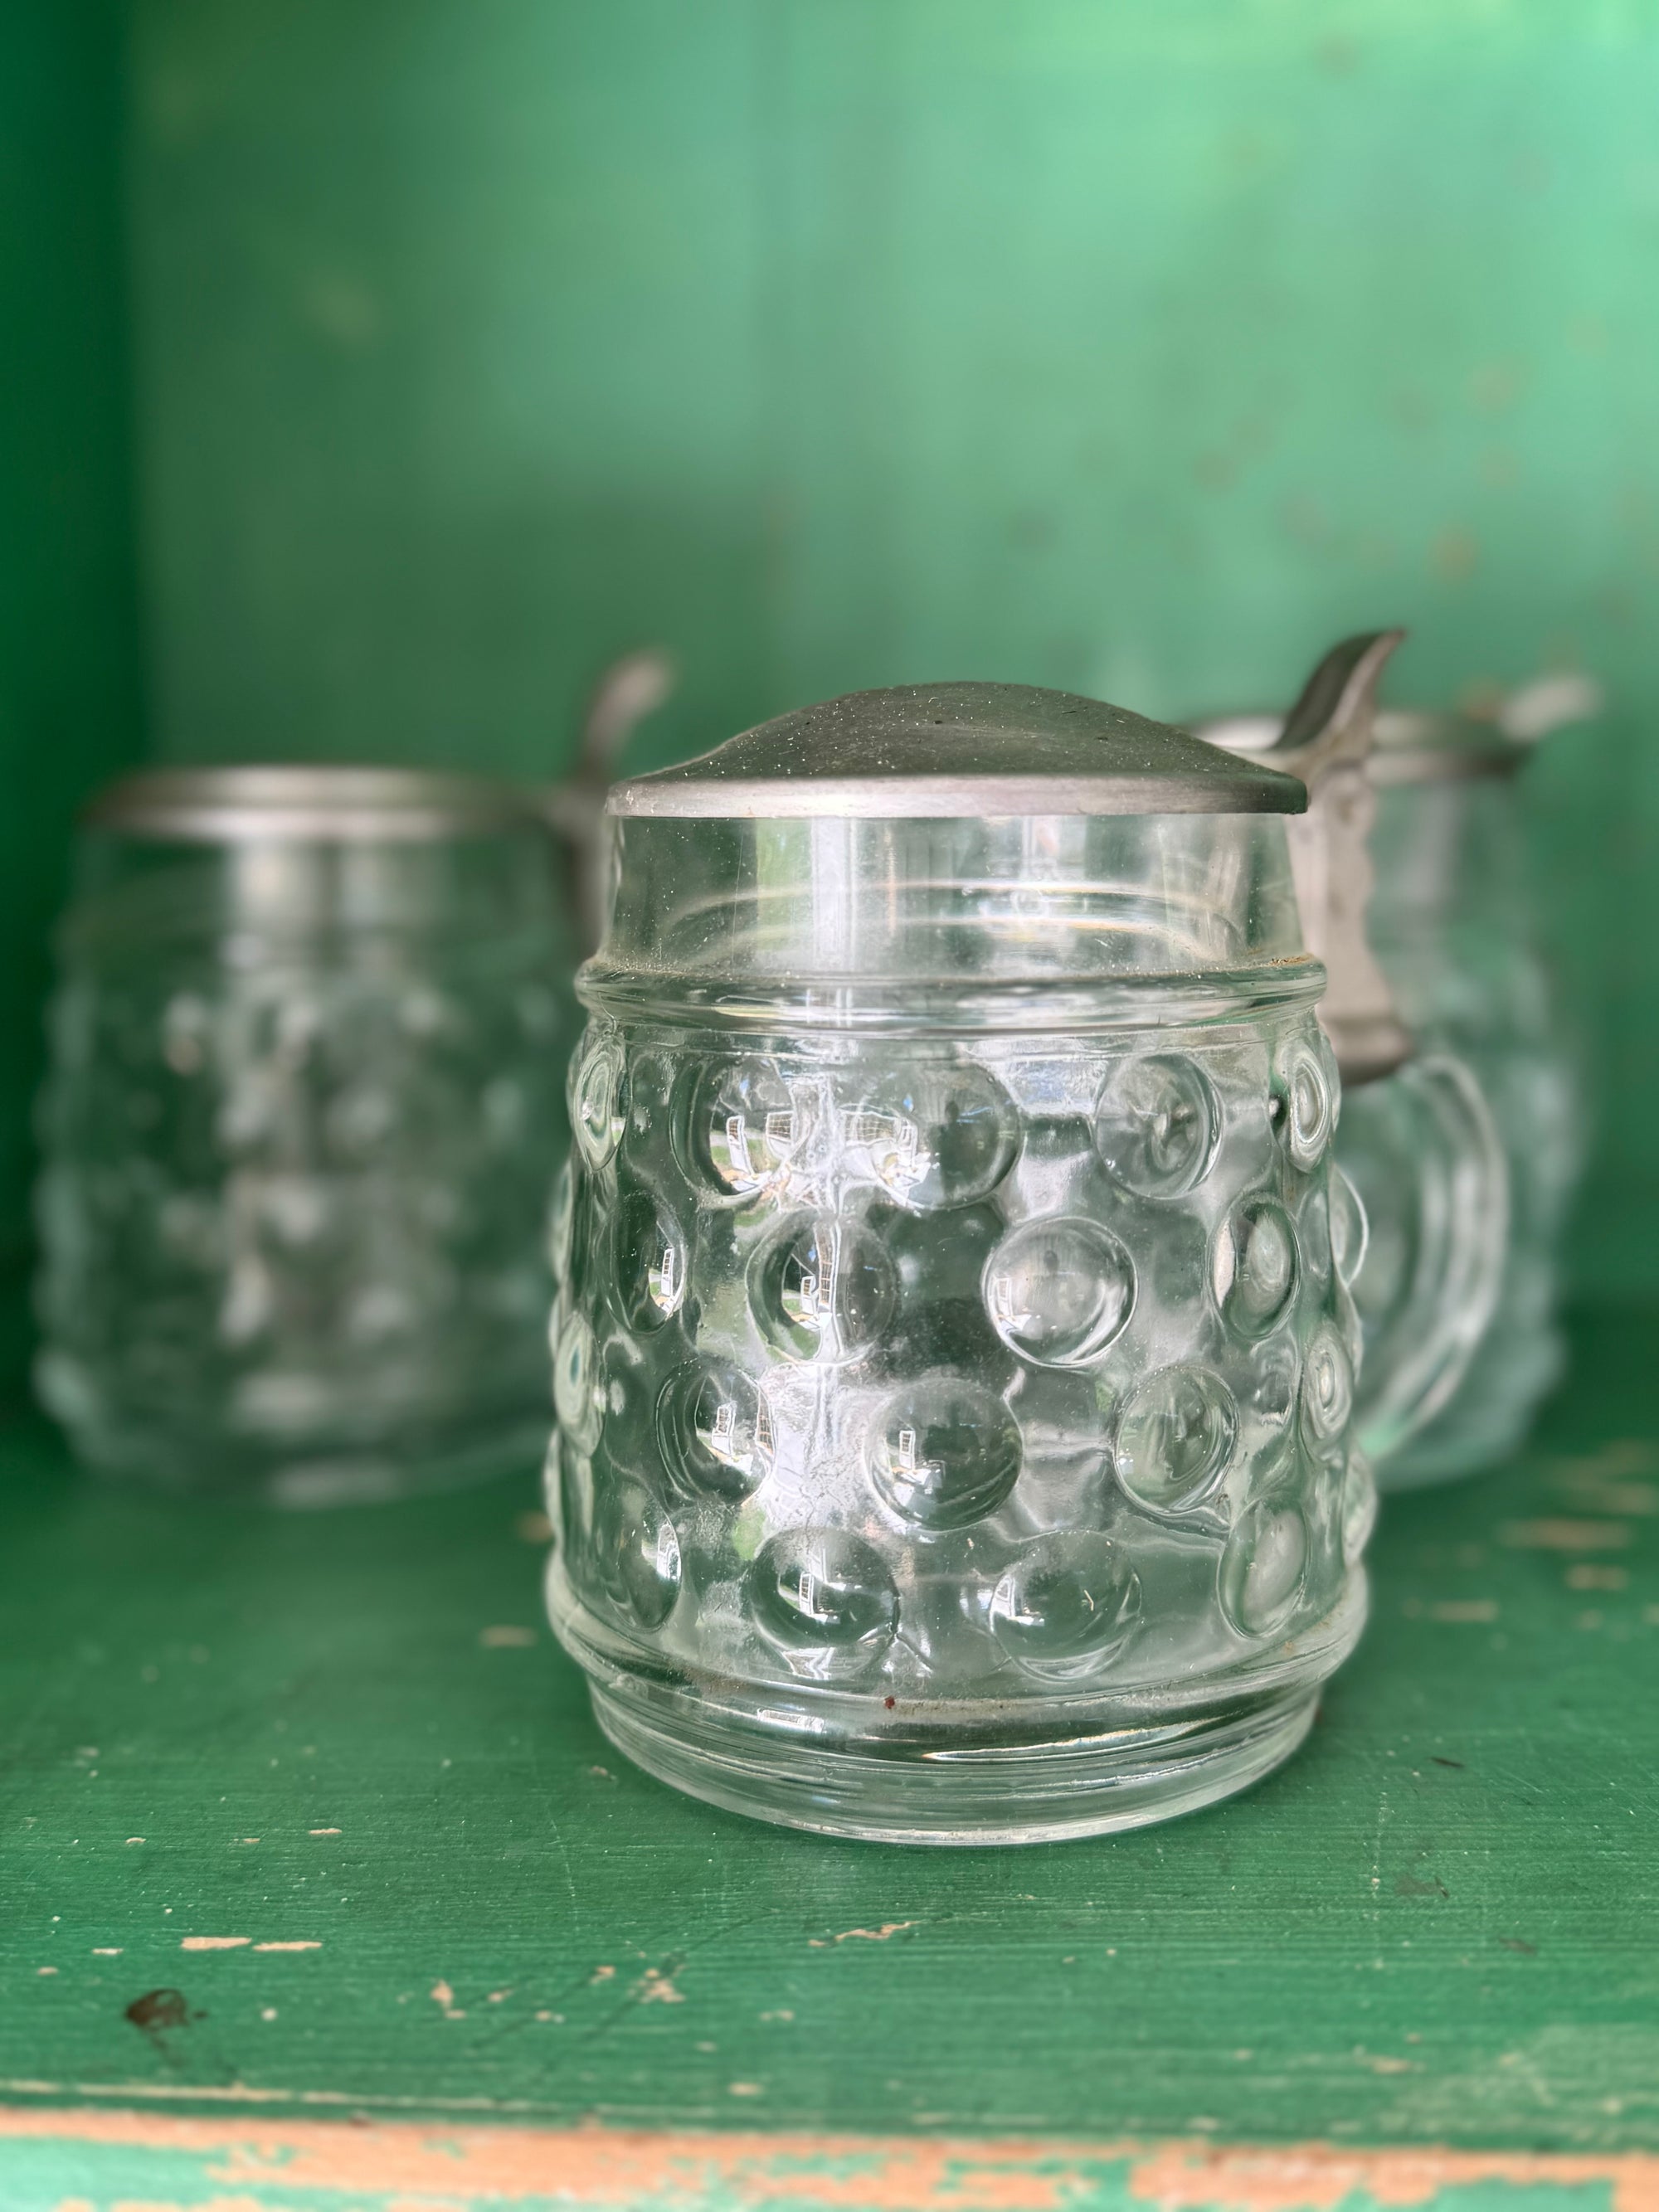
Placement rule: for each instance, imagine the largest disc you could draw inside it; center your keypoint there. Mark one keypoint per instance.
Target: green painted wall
(68, 668)
(1141, 346)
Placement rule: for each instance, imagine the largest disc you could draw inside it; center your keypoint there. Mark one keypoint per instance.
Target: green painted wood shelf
(307, 1817)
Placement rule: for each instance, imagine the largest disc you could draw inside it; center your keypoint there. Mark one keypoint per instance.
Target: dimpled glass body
(954, 1421)
(302, 1123)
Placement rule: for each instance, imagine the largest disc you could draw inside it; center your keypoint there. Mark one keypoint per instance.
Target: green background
(71, 691)
(417, 356)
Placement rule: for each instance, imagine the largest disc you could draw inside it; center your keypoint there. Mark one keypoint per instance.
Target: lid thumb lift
(1326, 741)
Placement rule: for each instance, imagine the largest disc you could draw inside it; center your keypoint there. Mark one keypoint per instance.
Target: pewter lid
(957, 750)
(217, 806)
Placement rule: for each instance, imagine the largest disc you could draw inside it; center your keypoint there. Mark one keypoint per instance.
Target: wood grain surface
(305, 1818)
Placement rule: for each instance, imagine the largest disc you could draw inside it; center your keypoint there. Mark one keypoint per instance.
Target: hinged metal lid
(1327, 739)
(1414, 745)
(959, 750)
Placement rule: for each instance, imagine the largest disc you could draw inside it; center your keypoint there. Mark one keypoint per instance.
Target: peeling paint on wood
(169, 2164)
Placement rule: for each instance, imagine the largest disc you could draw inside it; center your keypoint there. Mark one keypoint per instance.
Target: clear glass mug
(1465, 1162)
(1455, 924)
(954, 1350)
(301, 1125)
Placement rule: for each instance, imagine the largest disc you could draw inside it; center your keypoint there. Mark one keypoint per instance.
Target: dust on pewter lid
(945, 749)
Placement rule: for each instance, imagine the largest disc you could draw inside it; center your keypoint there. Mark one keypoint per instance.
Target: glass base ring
(1041, 1790)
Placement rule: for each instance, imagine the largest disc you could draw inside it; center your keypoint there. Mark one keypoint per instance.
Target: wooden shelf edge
(171, 2161)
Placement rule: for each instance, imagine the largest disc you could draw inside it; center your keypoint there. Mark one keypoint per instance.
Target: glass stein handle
(1423, 1154)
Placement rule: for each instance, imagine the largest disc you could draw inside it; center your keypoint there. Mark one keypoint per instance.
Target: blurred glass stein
(303, 1122)
(1452, 919)
(954, 1357)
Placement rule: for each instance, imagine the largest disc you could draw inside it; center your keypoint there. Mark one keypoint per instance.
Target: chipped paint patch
(1560, 1536)
(1315, 2177)
(213, 1942)
(887, 1929)
(1586, 1577)
(305, 1943)
(1640, 1499)
(380, 2166)
(656, 1987)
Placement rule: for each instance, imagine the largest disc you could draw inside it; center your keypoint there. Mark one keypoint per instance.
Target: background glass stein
(1452, 920)
(303, 1118)
(954, 1358)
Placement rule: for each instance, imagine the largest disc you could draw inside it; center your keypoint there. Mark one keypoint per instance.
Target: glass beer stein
(303, 1119)
(1452, 921)
(954, 1349)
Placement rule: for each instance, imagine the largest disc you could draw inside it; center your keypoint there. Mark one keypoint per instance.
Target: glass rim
(300, 802)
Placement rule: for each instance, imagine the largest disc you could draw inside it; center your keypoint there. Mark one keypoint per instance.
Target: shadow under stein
(955, 1344)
